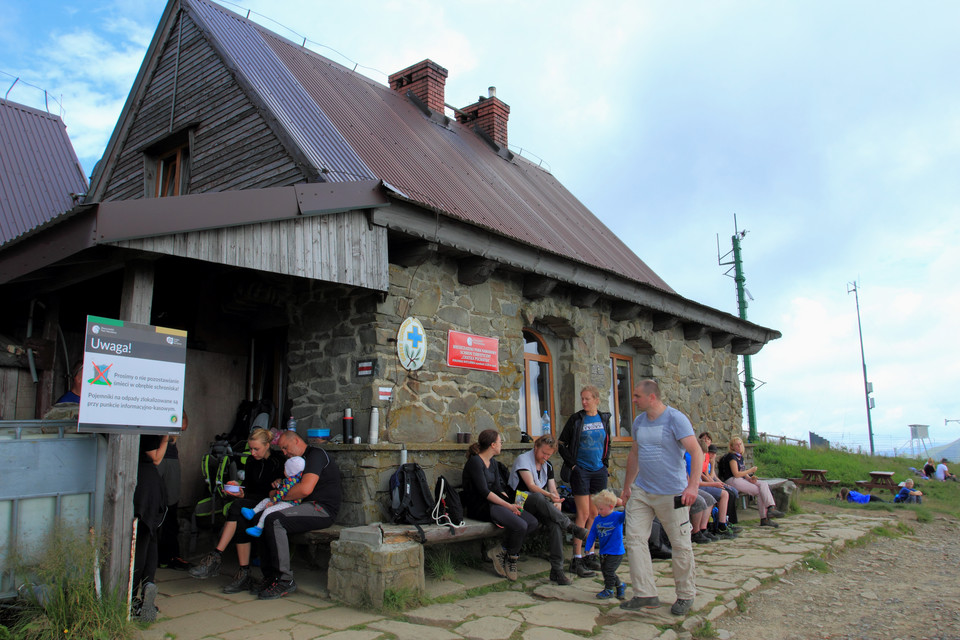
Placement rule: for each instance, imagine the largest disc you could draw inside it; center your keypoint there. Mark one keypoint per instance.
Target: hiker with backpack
(485, 497)
(531, 478)
(261, 468)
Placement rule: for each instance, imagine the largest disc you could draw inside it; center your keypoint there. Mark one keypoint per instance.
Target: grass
(398, 600)
(785, 461)
(64, 603)
(705, 630)
(439, 563)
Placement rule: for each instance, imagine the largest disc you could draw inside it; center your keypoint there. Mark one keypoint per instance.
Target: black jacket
(569, 442)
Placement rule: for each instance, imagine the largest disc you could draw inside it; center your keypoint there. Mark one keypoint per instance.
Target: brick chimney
(490, 114)
(425, 80)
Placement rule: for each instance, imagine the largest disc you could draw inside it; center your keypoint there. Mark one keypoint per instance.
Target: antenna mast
(738, 277)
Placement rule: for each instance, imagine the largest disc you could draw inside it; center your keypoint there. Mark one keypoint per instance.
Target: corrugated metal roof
(38, 169)
(330, 109)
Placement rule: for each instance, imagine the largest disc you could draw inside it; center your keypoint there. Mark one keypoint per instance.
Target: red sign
(473, 352)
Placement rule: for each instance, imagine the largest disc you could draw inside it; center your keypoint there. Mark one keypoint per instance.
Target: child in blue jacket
(608, 530)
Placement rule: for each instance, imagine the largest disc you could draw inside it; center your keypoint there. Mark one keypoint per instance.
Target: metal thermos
(374, 426)
(348, 425)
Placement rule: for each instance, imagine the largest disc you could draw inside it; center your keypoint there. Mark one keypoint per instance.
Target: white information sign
(133, 377)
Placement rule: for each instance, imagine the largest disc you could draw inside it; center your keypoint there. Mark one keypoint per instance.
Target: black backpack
(447, 508)
(411, 500)
(660, 547)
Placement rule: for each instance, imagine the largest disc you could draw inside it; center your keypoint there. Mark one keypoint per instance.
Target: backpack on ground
(411, 500)
(447, 508)
(660, 547)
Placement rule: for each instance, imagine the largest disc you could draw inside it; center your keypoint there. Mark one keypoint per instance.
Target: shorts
(587, 483)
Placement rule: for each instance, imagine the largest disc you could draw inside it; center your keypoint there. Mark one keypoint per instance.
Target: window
(169, 168)
(621, 395)
(166, 165)
(536, 395)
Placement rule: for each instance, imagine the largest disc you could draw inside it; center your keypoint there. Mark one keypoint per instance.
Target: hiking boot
(512, 568)
(148, 611)
(709, 535)
(767, 522)
(241, 582)
(558, 576)
(734, 528)
(278, 589)
(699, 538)
(208, 567)
(580, 569)
(773, 512)
(256, 586)
(606, 594)
(592, 561)
(577, 532)
(621, 590)
(636, 603)
(498, 556)
(681, 607)
(725, 534)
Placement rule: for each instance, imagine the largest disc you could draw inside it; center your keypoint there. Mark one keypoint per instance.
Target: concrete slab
(562, 615)
(488, 628)
(201, 624)
(181, 605)
(338, 617)
(408, 631)
(539, 633)
(261, 610)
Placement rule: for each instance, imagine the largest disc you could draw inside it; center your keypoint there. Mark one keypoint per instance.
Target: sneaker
(636, 603)
(592, 561)
(498, 556)
(767, 522)
(773, 512)
(580, 569)
(248, 513)
(725, 534)
(709, 535)
(278, 589)
(241, 582)
(606, 594)
(734, 528)
(681, 607)
(699, 538)
(148, 612)
(621, 590)
(256, 586)
(512, 568)
(577, 532)
(178, 564)
(558, 576)
(208, 567)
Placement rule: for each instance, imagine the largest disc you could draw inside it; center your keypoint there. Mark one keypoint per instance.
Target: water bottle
(545, 423)
(374, 426)
(291, 424)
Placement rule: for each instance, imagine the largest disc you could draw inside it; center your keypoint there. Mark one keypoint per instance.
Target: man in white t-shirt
(943, 473)
(656, 484)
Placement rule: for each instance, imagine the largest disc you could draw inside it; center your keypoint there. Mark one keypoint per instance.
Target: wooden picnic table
(814, 478)
(879, 480)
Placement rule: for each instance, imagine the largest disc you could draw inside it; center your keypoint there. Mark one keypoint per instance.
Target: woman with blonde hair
(745, 480)
(260, 470)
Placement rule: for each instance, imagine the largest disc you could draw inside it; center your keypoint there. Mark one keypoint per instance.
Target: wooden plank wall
(233, 148)
(18, 394)
(339, 248)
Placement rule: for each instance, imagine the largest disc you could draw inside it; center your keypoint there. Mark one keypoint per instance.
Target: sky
(830, 131)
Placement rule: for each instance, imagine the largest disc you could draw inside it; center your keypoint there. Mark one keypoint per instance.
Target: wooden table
(814, 478)
(879, 480)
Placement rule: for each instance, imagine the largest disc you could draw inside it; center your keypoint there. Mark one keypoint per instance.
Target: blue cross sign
(414, 336)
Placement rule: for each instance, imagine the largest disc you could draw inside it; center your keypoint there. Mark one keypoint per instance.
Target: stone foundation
(362, 567)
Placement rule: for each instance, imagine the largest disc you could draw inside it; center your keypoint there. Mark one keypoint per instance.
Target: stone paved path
(538, 610)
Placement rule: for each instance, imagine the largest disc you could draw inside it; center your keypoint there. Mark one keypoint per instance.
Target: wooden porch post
(122, 450)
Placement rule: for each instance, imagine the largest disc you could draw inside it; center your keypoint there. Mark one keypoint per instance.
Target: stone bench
(367, 560)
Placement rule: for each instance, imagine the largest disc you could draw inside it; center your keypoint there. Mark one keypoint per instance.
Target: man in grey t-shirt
(656, 476)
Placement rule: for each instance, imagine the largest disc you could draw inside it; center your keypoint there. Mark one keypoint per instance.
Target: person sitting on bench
(292, 470)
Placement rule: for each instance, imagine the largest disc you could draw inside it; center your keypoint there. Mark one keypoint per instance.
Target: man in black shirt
(319, 493)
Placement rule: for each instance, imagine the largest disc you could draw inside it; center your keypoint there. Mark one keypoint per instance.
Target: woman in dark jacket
(259, 472)
(485, 498)
(585, 449)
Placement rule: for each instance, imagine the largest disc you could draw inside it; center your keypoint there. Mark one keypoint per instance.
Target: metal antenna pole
(852, 286)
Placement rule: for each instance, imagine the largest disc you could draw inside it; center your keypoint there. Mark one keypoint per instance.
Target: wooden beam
(123, 450)
(411, 254)
(623, 311)
(693, 331)
(537, 287)
(475, 270)
(720, 339)
(584, 298)
(664, 321)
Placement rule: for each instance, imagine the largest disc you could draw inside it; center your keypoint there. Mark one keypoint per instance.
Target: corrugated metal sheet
(448, 168)
(296, 111)
(39, 167)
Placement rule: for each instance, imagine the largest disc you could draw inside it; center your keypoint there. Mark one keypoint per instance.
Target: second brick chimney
(425, 80)
(490, 115)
